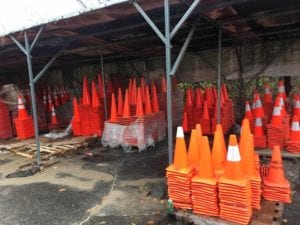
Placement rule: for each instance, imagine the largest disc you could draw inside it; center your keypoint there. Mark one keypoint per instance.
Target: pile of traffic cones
(260, 139)
(275, 186)
(24, 122)
(137, 120)
(293, 144)
(6, 131)
(234, 188)
(202, 108)
(179, 175)
(204, 185)
(88, 116)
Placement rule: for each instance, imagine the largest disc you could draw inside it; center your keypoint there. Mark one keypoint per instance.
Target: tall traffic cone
(189, 98)
(120, 103)
(245, 131)
(113, 109)
(155, 105)
(276, 117)
(259, 110)
(139, 104)
(148, 107)
(220, 129)
(126, 108)
(248, 113)
(268, 94)
(218, 154)
(95, 96)
(86, 97)
(275, 186)
(179, 175)
(193, 153)
(22, 113)
(204, 184)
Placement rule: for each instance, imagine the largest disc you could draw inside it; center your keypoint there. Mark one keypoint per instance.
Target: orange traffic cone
(134, 92)
(126, 110)
(248, 113)
(53, 117)
(22, 113)
(143, 86)
(45, 101)
(218, 154)
(113, 109)
(139, 104)
(275, 186)
(205, 121)
(281, 89)
(204, 184)
(199, 137)
(95, 96)
(155, 105)
(185, 123)
(259, 110)
(297, 106)
(86, 97)
(295, 130)
(76, 122)
(100, 85)
(179, 175)
(148, 107)
(268, 94)
(76, 113)
(56, 99)
(276, 117)
(120, 103)
(189, 99)
(260, 139)
(245, 131)
(198, 101)
(193, 153)
(163, 85)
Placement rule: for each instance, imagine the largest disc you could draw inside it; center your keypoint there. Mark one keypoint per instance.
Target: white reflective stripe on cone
(295, 126)
(258, 122)
(267, 90)
(247, 107)
(281, 89)
(179, 133)
(233, 154)
(258, 104)
(276, 111)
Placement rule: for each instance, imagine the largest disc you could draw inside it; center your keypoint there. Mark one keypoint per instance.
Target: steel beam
(19, 45)
(33, 103)
(183, 49)
(103, 84)
(149, 21)
(219, 75)
(169, 82)
(184, 17)
(37, 37)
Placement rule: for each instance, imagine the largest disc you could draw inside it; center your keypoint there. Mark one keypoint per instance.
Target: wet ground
(110, 187)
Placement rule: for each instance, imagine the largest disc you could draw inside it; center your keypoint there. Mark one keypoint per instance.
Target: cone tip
(232, 140)
(180, 133)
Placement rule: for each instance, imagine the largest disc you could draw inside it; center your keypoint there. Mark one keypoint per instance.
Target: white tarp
(18, 15)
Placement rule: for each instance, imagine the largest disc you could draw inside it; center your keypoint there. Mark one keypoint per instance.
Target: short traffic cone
(86, 97)
(113, 109)
(275, 186)
(204, 184)
(179, 175)
(22, 113)
(139, 104)
(234, 188)
(126, 109)
(218, 154)
(248, 113)
(259, 110)
(120, 103)
(148, 107)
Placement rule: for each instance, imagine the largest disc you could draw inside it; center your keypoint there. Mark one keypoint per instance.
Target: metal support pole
(19, 45)
(183, 49)
(103, 81)
(219, 75)
(184, 17)
(33, 103)
(149, 21)
(169, 82)
(37, 37)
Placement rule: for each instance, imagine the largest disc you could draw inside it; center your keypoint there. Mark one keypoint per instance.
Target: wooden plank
(28, 156)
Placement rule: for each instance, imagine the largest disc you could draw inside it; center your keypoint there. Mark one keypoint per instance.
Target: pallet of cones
(275, 186)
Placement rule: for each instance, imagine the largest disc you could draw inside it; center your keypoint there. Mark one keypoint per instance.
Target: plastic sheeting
(143, 132)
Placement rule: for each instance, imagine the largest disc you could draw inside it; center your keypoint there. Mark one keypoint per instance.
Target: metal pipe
(219, 75)
(103, 84)
(149, 21)
(184, 17)
(18, 44)
(37, 37)
(41, 73)
(169, 82)
(183, 50)
(33, 103)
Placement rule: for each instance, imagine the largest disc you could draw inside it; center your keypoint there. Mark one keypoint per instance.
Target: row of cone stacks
(88, 117)
(6, 130)
(137, 115)
(224, 184)
(24, 122)
(201, 108)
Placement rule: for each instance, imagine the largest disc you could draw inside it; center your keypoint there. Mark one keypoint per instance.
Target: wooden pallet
(269, 214)
(264, 153)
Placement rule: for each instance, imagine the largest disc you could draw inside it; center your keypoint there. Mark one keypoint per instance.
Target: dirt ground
(105, 186)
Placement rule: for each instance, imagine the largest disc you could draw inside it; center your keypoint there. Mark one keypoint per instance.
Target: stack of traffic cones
(96, 112)
(24, 122)
(260, 140)
(293, 144)
(275, 186)
(219, 152)
(76, 122)
(234, 188)
(268, 101)
(205, 120)
(275, 130)
(188, 111)
(54, 124)
(179, 175)
(5, 122)
(204, 184)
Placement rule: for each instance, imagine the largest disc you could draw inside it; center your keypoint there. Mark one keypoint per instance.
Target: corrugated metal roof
(16, 15)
